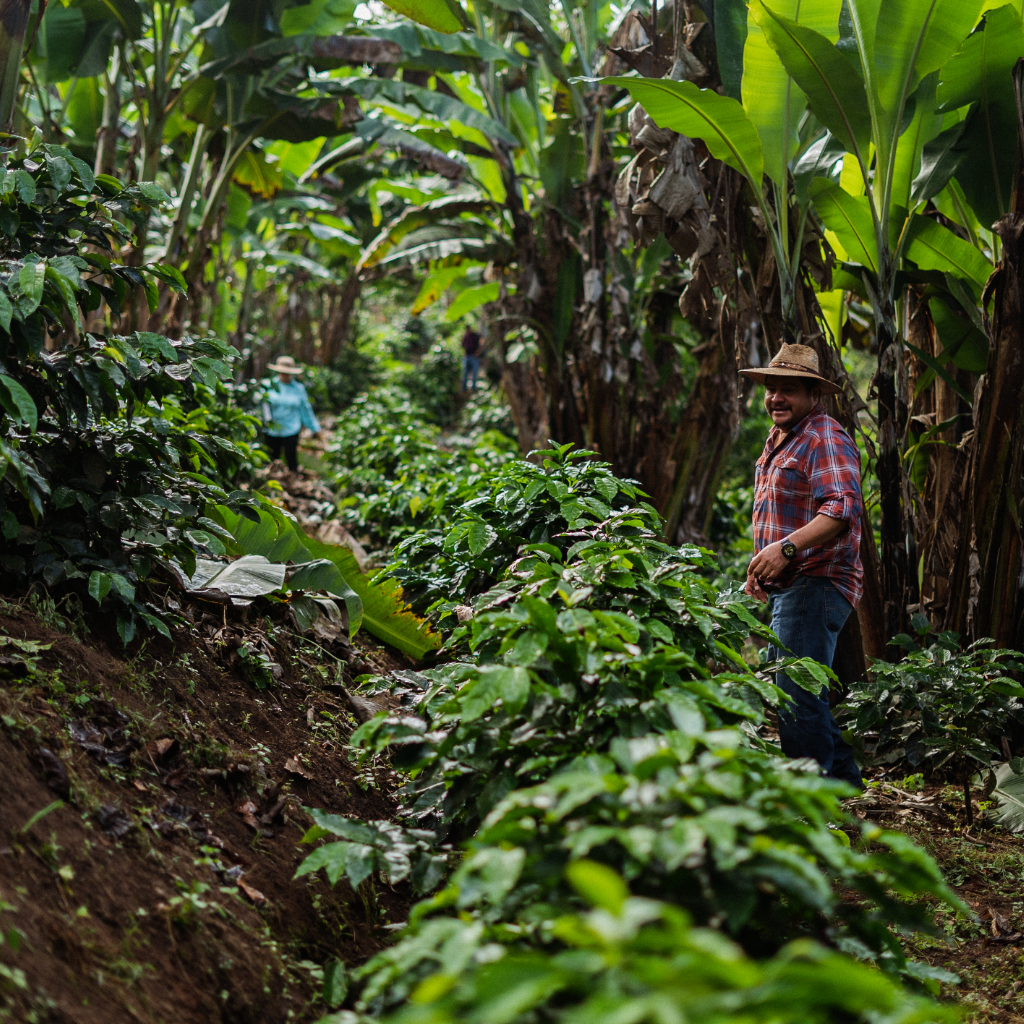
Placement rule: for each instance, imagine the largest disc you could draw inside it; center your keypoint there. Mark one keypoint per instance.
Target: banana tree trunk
(986, 599)
(245, 307)
(897, 561)
(13, 25)
(188, 191)
(106, 141)
(996, 461)
(536, 390)
(701, 445)
(338, 326)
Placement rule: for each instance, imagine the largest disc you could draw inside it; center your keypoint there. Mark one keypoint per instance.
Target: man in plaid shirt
(807, 508)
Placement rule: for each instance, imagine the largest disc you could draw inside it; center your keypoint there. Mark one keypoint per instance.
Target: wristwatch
(789, 549)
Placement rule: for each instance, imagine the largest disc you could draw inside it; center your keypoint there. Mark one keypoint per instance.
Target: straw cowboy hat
(795, 361)
(285, 364)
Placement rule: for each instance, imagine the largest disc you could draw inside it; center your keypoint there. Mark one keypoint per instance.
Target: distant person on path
(807, 508)
(473, 347)
(286, 410)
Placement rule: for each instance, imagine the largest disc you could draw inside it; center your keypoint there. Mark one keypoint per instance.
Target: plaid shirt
(815, 469)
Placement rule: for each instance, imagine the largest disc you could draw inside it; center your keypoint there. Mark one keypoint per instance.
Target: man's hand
(754, 589)
(768, 563)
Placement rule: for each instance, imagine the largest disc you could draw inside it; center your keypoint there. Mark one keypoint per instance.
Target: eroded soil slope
(160, 886)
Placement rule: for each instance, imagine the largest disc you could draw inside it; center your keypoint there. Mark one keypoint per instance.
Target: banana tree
(587, 332)
(520, 99)
(881, 106)
(758, 136)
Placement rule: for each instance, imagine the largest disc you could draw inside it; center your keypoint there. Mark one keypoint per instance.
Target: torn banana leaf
(320, 616)
(1009, 794)
(248, 576)
(378, 607)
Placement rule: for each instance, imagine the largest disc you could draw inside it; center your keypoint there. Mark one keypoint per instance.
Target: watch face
(789, 549)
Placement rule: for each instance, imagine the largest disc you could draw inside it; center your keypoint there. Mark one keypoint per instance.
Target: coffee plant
(597, 709)
(113, 446)
(941, 708)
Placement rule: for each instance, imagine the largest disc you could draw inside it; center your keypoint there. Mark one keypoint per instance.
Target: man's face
(788, 400)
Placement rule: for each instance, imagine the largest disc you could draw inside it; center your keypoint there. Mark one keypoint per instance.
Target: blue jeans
(807, 617)
(470, 365)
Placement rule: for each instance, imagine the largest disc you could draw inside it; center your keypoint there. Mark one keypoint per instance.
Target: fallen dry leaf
(161, 749)
(275, 812)
(54, 772)
(113, 820)
(247, 809)
(296, 767)
(1002, 930)
(177, 777)
(209, 839)
(254, 894)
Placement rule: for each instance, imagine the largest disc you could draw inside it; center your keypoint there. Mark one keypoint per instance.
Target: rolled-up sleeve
(834, 478)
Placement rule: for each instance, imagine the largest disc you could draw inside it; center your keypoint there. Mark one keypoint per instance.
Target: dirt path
(985, 866)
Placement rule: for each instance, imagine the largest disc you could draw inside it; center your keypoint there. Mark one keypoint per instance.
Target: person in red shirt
(807, 509)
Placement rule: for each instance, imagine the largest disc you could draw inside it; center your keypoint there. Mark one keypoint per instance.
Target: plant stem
(968, 806)
(188, 191)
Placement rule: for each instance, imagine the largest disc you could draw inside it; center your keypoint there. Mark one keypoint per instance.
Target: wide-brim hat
(794, 361)
(285, 364)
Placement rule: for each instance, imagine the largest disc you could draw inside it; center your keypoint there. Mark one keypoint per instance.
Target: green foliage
(691, 817)
(601, 710)
(440, 15)
(940, 708)
(1008, 794)
(274, 535)
(335, 388)
(257, 665)
(434, 385)
(382, 846)
(568, 505)
(393, 474)
(559, 677)
(632, 958)
(113, 447)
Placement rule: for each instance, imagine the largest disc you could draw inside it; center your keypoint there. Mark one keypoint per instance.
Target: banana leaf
(249, 576)
(378, 607)
(1009, 794)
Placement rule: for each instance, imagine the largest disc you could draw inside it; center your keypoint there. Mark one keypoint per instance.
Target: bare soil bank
(161, 888)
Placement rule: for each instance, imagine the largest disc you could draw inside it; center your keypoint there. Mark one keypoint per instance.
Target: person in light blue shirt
(286, 410)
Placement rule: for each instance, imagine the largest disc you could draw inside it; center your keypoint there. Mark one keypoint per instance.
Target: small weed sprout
(258, 667)
(50, 852)
(186, 906)
(262, 752)
(44, 608)
(10, 938)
